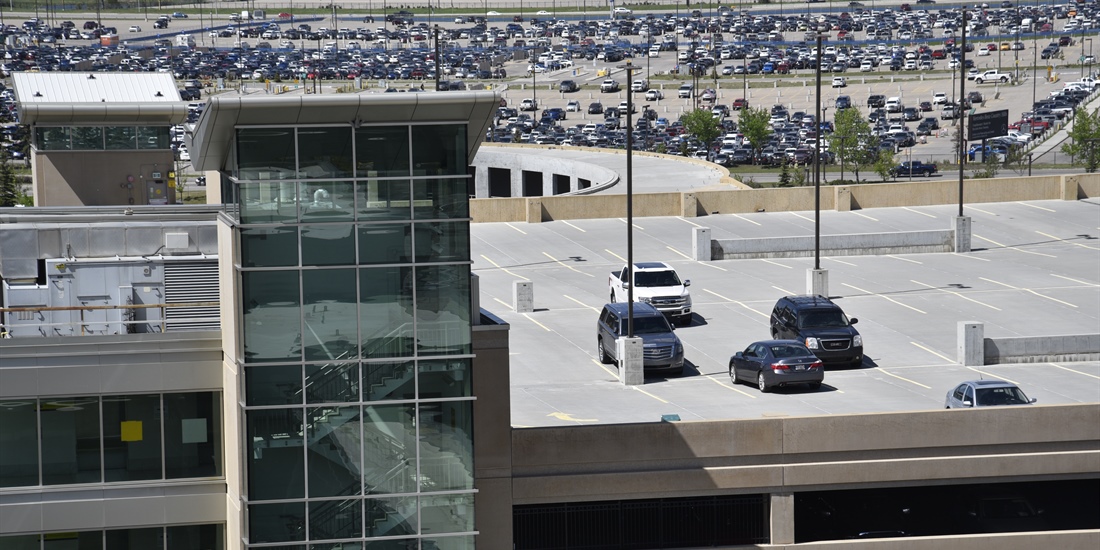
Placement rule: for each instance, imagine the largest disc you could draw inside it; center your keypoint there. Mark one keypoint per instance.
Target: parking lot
(1035, 271)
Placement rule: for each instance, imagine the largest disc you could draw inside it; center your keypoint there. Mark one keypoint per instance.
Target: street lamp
(629, 69)
(817, 158)
(962, 115)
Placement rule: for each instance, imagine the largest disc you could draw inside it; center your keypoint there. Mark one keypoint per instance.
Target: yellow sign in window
(131, 430)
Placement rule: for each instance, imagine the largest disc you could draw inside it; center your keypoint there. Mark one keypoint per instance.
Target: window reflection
(389, 450)
(385, 311)
(87, 137)
(276, 468)
(283, 522)
(18, 443)
(328, 244)
(70, 440)
(439, 149)
(329, 314)
(192, 435)
(328, 200)
(265, 153)
(443, 310)
(441, 198)
(334, 451)
(131, 437)
(382, 151)
(53, 138)
(335, 519)
(324, 152)
(121, 137)
(384, 200)
(446, 446)
(387, 517)
(271, 320)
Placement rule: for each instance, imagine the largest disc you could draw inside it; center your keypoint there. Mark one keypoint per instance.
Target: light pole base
(629, 351)
(962, 233)
(817, 282)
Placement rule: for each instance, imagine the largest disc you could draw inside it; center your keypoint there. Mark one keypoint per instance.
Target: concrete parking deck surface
(1035, 270)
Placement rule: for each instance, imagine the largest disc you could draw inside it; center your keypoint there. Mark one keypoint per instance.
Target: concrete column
(629, 351)
(523, 296)
(481, 181)
(962, 233)
(1069, 188)
(971, 343)
(781, 518)
(700, 244)
(534, 210)
(689, 205)
(842, 196)
(817, 282)
(516, 181)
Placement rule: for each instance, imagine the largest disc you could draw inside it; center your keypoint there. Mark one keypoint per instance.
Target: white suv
(685, 91)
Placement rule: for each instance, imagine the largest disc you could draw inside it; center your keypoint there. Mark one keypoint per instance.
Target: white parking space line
(904, 259)
(522, 232)
(1067, 241)
(1075, 371)
(976, 209)
(918, 212)
(841, 262)
(740, 217)
(486, 258)
(729, 387)
(708, 264)
(573, 226)
(563, 264)
(784, 291)
(1013, 247)
(1076, 280)
(991, 375)
(865, 216)
(636, 226)
(971, 256)
(1038, 207)
(959, 294)
(691, 222)
(580, 302)
(934, 352)
(776, 263)
(1031, 291)
(636, 388)
(888, 373)
(686, 257)
(615, 255)
(869, 293)
(807, 218)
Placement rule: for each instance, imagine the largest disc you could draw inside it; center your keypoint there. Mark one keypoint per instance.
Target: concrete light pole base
(817, 282)
(971, 342)
(630, 361)
(962, 233)
(523, 296)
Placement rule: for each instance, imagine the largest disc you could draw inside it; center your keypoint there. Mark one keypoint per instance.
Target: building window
(18, 443)
(87, 138)
(439, 149)
(265, 153)
(53, 138)
(272, 318)
(131, 438)
(70, 440)
(121, 137)
(324, 152)
(382, 151)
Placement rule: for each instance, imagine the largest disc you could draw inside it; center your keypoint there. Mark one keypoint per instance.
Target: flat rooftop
(1034, 271)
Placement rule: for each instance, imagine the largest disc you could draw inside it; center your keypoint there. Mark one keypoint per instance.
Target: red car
(740, 103)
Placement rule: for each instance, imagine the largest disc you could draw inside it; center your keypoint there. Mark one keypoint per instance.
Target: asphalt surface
(1035, 271)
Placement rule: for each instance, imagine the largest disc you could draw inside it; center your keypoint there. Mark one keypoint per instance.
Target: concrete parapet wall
(703, 202)
(1041, 349)
(529, 158)
(664, 459)
(906, 242)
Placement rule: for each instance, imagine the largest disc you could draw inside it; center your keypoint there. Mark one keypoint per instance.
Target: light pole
(962, 114)
(1089, 40)
(1083, 56)
(629, 70)
(817, 159)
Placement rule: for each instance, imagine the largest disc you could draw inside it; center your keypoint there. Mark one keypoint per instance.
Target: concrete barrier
(857, 244)
(1041, 349)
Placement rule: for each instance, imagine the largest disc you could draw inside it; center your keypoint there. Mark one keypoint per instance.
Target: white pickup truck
(655, 283)
(992, 76)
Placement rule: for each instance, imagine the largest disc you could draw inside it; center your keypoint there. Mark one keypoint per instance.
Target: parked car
(662, 351)
(654, 95)
(774, 363)
(595, 108)
(567, 86)
(986, 393)
(573, 106)
(820, 325)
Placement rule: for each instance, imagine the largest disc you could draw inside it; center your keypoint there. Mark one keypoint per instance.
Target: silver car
(985, 393)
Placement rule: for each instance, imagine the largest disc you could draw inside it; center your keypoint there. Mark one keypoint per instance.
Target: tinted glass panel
(135, 539)
(131, 437)
(384, 243)
(272, 320)
(273, 385)
(275, 461)
(153, 137)
(446, 446)
(443, 310)
(389, 450)
(87, 137)
(192, 435)
(269, 247)
(387, 517)
(388, 381)
(328, 200)
(268, 202)
(442, 241)
(52, 138)
(334, 452)
(441, 198)
(335, 519)
(70, 440)
(121, 137)
(439, 149)
(18, 443)
(84, 540)
(265, 153)
(332, 383)
(329, 314)
(196, 537)
(328, 244)
(450, 543)
(393, 544)
(385, 312)
(447, 514)
(382, 151)
(324, 152)
(285, 522)
(384, 200)
(445, 378)
(21, 542)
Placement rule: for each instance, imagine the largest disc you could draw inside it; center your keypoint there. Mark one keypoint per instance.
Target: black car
(567, 86)
(843, 102)
(821, 325)
(773, 363)
(974, 97)
(910, 114)
(876, 101)
(595, 108)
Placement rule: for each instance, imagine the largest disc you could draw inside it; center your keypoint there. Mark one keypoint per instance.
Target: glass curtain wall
(354, 275)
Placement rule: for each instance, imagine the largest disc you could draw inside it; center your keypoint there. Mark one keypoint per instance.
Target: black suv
(876, 101)
(820, 324)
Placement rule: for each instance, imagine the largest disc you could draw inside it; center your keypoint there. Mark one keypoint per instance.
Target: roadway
(1035, 271)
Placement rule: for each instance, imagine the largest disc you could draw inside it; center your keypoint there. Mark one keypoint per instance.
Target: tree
(701, 124)
(1084, 140)
(10, 193)
(883, 164)
(850, 140)
(754, 124)
(785, 175)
